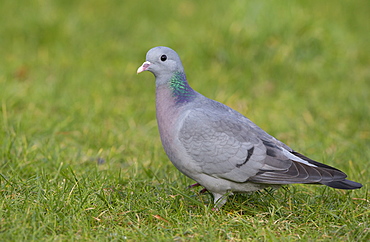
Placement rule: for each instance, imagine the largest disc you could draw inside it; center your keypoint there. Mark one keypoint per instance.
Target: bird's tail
(344, 184)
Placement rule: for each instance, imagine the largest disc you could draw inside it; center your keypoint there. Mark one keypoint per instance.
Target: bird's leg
(197, 185)
(204, 190)
(194, 185)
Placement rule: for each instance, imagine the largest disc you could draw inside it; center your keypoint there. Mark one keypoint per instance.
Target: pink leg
(203, 190)
(194, 185)
(197, 185)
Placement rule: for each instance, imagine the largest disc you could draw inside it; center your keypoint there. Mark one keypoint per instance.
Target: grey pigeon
(217, 146)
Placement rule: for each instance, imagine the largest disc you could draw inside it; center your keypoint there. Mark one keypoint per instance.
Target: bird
(218, 147)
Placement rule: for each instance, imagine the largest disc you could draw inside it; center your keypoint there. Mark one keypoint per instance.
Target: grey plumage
(218, 147)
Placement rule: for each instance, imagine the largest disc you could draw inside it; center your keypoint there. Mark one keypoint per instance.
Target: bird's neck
(180, 89)
(171, 99)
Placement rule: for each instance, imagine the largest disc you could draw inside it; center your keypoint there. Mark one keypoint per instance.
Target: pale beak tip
(139, 70)
(143, 67)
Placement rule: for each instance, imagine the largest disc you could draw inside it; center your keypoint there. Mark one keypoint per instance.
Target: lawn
(80, 154)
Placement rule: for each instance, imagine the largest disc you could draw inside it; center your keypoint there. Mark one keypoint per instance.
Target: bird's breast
(170, 117)
(167, 116)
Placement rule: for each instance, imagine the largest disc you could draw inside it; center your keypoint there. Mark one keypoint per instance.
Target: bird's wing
(227, 146)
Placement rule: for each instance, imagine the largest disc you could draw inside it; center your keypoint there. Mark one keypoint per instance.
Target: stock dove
(217, 146)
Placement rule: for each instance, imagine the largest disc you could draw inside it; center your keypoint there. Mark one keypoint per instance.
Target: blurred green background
(76, 121)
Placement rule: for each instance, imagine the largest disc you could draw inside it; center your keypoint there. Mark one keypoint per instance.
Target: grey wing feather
(227, 145)
(223, 147)
(297, 172)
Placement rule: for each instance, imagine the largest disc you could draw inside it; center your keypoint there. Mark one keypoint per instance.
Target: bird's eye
(163, 58)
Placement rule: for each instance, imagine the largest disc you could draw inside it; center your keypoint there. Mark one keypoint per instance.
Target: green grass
(80, 152)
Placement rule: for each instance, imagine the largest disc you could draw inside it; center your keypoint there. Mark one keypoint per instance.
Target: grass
(80, 153)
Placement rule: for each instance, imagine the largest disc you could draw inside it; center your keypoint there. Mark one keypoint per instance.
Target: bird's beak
(143, 67)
